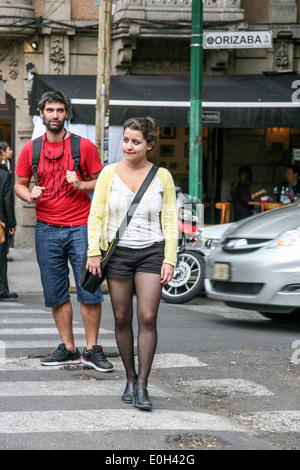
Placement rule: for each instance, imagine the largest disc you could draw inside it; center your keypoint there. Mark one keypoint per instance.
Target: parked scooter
(188, 280)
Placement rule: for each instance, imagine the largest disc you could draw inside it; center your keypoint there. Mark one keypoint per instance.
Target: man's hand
(73, 179)
(36, 194)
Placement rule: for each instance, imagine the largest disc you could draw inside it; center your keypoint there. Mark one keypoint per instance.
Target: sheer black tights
(148, 292)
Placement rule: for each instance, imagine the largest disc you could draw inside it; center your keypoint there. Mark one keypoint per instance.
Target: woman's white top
(144, 228)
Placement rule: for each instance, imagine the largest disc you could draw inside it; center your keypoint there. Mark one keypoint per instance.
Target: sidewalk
(24, 273)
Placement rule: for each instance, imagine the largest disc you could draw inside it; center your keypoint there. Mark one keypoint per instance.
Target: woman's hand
(93, 265)
(167, 273)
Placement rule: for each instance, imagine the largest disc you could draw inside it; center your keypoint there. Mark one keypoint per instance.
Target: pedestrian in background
(6, 157)
(145, 256)
(7, 215)
(241, 193)
(62, 206)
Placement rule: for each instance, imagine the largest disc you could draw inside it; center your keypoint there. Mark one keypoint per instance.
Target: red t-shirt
(61, 204)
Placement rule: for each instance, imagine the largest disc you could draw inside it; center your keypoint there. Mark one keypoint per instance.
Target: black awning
(236, 101)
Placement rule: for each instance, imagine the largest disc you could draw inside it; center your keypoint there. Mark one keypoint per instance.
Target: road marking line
(111, 420)
(11, 304)
(23, 321)
(44, 331)
(27, 310)
(50, 345)
(225, 387)
(272, 421)
(226, 312)
(162, 361)
(87, 386)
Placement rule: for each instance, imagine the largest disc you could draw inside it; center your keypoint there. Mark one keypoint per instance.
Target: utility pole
(195, 144)
(103, 73)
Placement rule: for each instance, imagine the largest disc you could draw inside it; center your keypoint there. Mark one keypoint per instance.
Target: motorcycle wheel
(188, 280)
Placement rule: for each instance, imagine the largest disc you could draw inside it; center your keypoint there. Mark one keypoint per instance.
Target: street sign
(2, 92)
(209, 117)
(237, 40)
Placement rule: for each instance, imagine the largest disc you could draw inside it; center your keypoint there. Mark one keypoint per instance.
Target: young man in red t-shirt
(62, 206)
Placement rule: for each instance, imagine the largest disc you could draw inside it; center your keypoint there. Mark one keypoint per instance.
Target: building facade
(151, 39)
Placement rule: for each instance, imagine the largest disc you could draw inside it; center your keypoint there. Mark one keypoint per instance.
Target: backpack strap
(36, 151)
(75, 148)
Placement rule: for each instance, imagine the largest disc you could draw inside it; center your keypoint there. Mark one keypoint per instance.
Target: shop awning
(235, 101)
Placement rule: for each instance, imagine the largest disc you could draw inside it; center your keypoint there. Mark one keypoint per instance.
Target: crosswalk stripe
(51, 344)
(161, 361)
(44, 331)
(69, 388)
(24, 321)
(11, 304)
(111, 420)
(227, 387)
(26, 310)
(272, 421)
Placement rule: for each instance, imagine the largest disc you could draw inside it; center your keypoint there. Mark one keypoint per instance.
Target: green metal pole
(195, 144)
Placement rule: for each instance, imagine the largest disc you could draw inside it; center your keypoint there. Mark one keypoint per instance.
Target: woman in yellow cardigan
(145, 256)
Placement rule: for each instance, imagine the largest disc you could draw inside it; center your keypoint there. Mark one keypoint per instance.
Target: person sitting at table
(291, 186)
(241, 193)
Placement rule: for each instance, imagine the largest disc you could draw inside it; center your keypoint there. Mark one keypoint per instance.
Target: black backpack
(75, 149)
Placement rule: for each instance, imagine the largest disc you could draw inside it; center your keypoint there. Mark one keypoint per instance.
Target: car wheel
(283, 317)
(188, 280)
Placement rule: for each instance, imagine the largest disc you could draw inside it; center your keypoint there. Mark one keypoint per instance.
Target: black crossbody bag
(91, 282)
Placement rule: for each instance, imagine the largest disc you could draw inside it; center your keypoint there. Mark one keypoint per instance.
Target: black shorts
(125, 262)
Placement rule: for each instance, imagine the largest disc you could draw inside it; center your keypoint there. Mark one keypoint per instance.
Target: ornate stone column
(282, 13)
(56, 38)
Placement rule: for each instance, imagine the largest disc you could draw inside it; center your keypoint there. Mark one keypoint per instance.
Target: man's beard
(56, 129)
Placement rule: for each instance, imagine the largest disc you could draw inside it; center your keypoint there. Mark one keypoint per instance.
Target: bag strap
(36, 151)
(131, 211)
(75, 150)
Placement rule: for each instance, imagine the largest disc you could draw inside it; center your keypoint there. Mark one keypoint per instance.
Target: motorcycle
(188, 280)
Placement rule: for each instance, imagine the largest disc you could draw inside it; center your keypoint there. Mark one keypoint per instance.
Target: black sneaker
(97, 359)
(62, 356)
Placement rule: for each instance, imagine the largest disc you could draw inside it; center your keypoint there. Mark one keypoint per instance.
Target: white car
(256, 264)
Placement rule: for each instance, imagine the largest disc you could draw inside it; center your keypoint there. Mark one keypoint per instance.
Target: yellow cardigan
(98, 218)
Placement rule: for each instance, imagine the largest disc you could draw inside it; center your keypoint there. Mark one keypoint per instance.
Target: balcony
(177, 10)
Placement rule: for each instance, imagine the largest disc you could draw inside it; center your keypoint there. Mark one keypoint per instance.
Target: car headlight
(288, 238)
(211, 243)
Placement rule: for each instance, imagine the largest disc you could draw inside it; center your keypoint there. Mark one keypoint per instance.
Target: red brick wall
(38, 7)
(84, 10)
(256, 11)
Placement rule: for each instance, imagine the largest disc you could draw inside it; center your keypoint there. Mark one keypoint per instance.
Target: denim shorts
(125, 262)
(56, 247)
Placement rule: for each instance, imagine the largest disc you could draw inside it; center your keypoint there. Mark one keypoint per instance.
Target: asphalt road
(222, 379)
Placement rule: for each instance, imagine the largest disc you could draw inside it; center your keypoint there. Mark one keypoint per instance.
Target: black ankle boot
(141, 399)
(128, 392)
